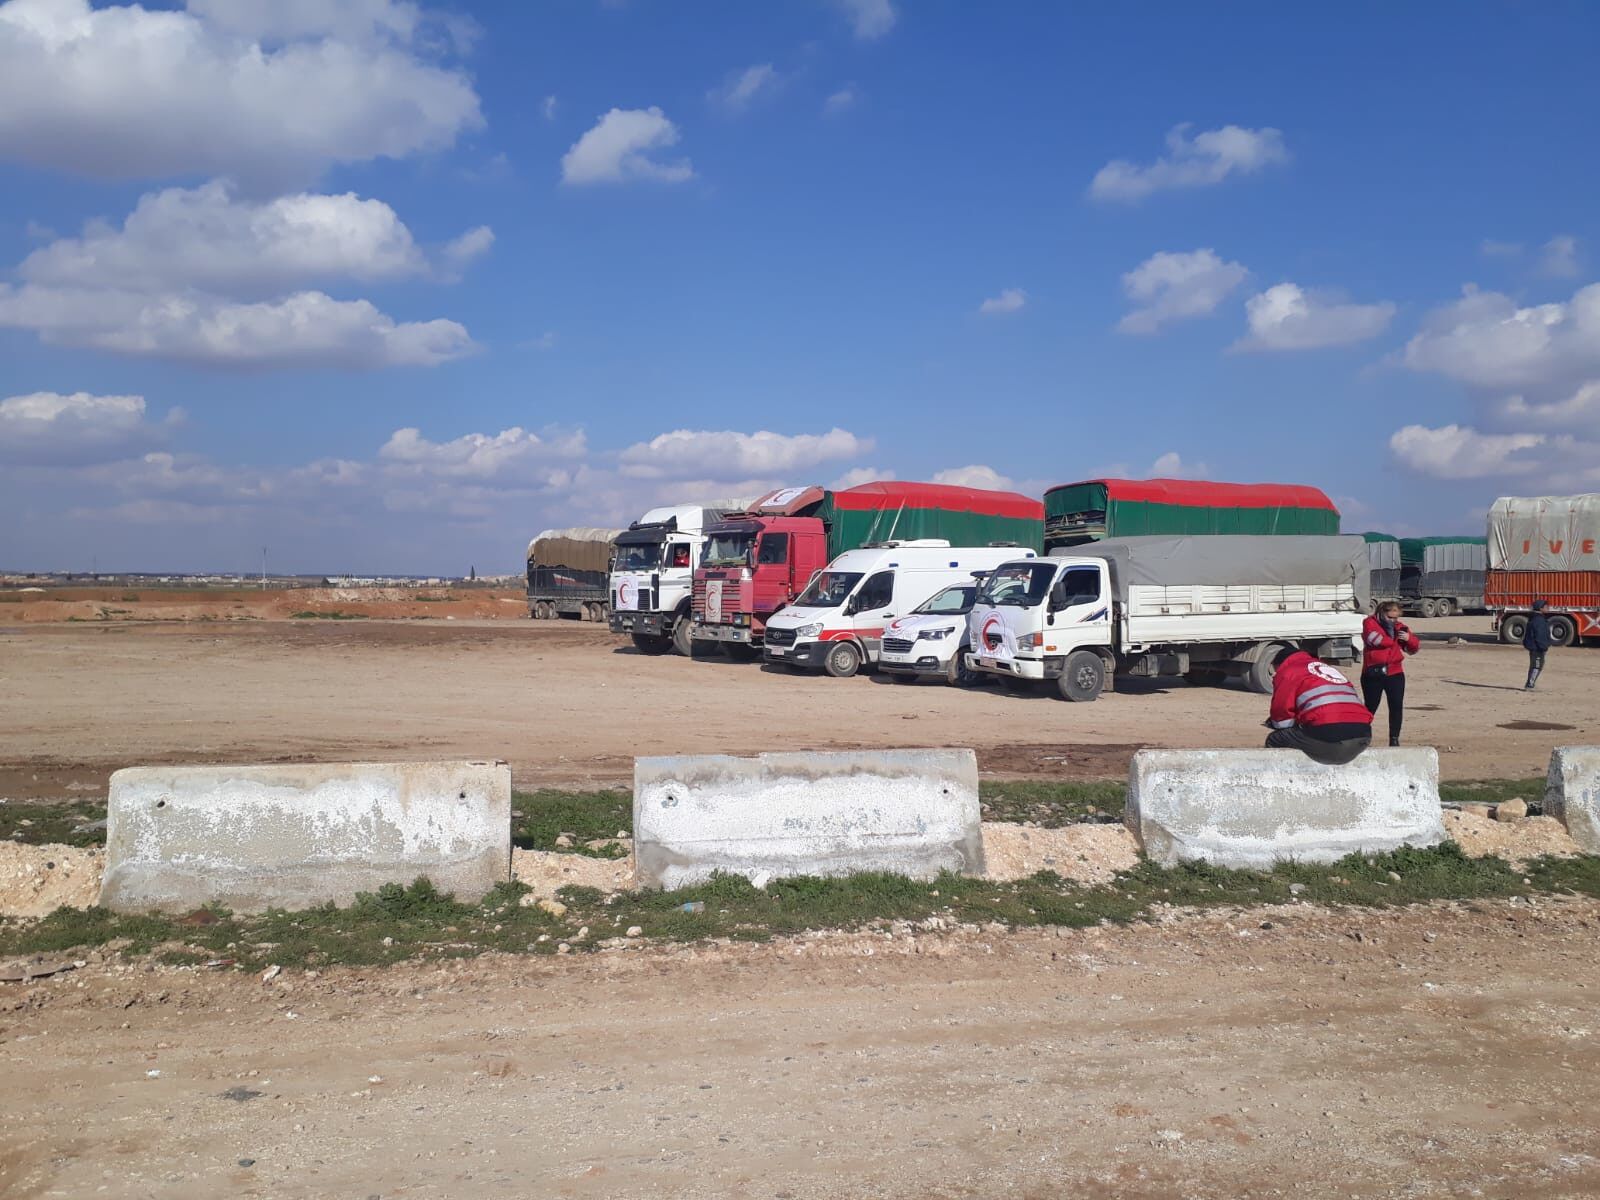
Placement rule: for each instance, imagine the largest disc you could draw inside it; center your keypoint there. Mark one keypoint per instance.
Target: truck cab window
(680, 555)
(774, 549)
(1079, 585)
(877, 592)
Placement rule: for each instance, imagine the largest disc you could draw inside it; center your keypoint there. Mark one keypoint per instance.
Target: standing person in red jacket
(1385, 644)
(1316, 710)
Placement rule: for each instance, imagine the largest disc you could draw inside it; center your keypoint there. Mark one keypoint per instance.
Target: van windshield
(951, 602)
(829, 589)
(728, 550)
(1022, 585)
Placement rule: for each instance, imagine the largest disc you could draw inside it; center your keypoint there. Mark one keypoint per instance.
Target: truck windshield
(829, 589)
(644, 556)
(951, 602)
(728, 550)
(1020, 584)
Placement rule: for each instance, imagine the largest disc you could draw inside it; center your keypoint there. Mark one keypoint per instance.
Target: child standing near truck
(1385, 645)
(1536, 640)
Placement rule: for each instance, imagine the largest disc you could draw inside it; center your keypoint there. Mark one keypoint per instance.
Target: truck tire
(1082, 678)
(1259, 677)
(1445, 607)
(1429, 607)
(1512, 628)
(843, 660)
(650, 643)
(682, 636)
(1563, 632)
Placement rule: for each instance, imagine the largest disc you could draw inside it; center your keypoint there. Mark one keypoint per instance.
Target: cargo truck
(1442, 576)
(1545, 548)
(567, 571)
(757, 561)
(1079, 513)
(653, 577)
(1207, 608)
(1383, 557)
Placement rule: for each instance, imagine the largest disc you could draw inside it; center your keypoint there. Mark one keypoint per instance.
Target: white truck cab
(932, 642)
(1209, 608)
(838, 622)
(652, 576)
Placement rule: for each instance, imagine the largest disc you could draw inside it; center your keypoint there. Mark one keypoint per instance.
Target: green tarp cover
(849, 529)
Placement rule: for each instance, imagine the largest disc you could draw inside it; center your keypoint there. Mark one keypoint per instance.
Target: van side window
(876, 592)
(1080, 585)
(774, 549)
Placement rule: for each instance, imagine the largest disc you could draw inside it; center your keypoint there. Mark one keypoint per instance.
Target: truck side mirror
(1058, 596)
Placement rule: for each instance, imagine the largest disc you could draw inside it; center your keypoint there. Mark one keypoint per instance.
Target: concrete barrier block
(912, 812)
(1572, 793)
(1252, 808)
(294, 836)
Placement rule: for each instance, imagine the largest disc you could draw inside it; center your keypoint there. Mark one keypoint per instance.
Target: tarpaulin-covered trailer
(1440, 576)
(1383, 557)
(1545, 548)
(1078, 513)
(567, 573)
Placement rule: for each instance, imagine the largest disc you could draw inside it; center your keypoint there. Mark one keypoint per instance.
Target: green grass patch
(1493, 791)
(1052, 804)
(417, 922)
(53, 823)
(538, 818)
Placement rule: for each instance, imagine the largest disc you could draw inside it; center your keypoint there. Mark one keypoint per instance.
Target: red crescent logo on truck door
(622, 593)
(989, 637)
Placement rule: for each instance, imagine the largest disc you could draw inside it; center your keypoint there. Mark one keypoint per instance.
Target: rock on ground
(1517, 841)
(544, 871)
(35, 880)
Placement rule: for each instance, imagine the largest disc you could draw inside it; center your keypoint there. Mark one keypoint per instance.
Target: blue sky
(392, 287)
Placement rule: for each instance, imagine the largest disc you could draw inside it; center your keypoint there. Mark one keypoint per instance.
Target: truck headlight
(809, 630)
(1030, 641)
(934, 635)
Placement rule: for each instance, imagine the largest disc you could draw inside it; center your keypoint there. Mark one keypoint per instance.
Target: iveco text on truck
(1207, 608)
(837, 623)
(1545, 548)
(759, 560)
(653, 577)
(567, 573)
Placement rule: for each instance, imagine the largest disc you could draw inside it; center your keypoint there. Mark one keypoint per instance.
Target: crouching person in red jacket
(1316, 710)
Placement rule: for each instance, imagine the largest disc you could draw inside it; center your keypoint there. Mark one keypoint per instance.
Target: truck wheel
(1429, 607)
(1083, 676)
(1259, 678)
(1512, 629)
(1446, 607)
(682, 636)
(1562, 631)
(649, 643)
(843, 660)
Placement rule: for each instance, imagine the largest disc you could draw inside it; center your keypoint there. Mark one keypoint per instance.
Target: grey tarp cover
(1223, 559)
(576, 549)
(1545, 533)
(1383, 556)
(1454, 556)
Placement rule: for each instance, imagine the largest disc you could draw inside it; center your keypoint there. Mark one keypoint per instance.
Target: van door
(871, 608)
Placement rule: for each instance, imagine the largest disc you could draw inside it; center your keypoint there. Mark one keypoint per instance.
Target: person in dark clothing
(1536, 640)
(1316, 710)
(1385, 645)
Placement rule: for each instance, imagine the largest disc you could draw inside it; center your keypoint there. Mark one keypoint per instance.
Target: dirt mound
(1515, 841)
(545, 871)
(35, 880)
(1082, 853)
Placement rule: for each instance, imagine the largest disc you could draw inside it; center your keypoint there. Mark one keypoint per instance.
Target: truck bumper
(722, 633)
(1016, 668)
(650, 623)
(801, 654)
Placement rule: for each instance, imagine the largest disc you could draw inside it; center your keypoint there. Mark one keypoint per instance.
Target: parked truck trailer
(1093, 509)
(1383, 559)
(567, 571)
(1545, 548)
(653, 578)
(757, 561)
(1442, 576)
(1207, 608)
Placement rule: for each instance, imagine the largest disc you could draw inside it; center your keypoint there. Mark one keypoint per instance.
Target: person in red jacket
(1316, 710)
(1385, 644)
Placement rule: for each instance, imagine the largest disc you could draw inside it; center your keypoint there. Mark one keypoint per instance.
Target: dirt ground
(1441, 1051)
(570, 704)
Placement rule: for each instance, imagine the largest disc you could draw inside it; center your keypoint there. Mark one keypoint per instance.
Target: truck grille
(730, 599)
(780, 637)
(897, 645)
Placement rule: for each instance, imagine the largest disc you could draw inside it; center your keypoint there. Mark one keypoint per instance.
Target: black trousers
(1334, 754)
(1535, 661)
(1375, 687)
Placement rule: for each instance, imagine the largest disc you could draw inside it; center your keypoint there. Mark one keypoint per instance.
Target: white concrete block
(294, 836)
(1252, 808)
(912, 812)
(1572, 793)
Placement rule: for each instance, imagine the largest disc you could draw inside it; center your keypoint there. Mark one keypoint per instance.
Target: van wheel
(1562, 631)
(958, 674)
(1259, 678)
(1083, 676)
(843, 660)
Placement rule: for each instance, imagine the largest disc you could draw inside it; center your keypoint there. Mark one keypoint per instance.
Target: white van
(838, 622)
(931, 642)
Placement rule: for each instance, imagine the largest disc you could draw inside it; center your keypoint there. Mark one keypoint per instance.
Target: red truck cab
(753, 564)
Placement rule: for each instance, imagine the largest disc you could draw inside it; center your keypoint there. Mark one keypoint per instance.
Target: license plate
(986, 662)
(777, 652)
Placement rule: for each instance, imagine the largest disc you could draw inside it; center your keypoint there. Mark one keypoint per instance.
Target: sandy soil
(118, 605)
(1442, 1051)
(567, 703)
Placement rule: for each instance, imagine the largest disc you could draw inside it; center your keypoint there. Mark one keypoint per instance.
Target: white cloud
(208, 238)
(975, 475)
(1461, 452)
(870, 19)
(1207, 158)
(469, 247)
(511, 454)
(841, 101)
(548, 108)
(1171, 466)
(1171, 287)
(618, 149)
(1008, 301)
(51, 429)
(1286, 317)
(126, 92)
(305, 329)
(1486, 341)
(1559, 257)
(1580, 409)
(743, 88)
(724, 454)
(856, 476)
